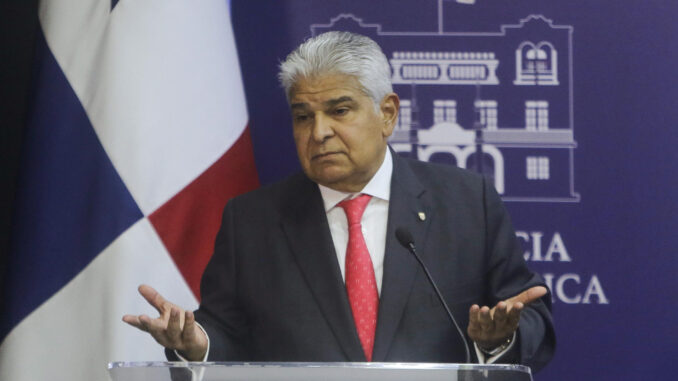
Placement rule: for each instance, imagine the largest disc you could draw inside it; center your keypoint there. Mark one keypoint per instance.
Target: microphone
(405, 238)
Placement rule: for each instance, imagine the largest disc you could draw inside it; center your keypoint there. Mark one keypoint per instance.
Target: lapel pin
(422, 216)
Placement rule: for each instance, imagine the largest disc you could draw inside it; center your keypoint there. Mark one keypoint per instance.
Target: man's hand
(174, 328)
(489, 328)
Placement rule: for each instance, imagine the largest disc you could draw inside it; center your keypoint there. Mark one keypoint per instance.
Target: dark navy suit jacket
(273, 290)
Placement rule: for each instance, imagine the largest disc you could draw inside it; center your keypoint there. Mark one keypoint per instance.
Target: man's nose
(323, 128)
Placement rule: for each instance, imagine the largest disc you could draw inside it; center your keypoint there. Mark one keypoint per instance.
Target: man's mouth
(324, 155)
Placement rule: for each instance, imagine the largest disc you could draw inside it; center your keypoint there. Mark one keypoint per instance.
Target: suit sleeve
(509, 276)
(221, 313)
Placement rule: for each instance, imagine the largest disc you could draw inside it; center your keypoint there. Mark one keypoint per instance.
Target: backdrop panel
(573, 103)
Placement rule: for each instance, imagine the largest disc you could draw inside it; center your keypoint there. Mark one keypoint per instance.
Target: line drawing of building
(499, 103)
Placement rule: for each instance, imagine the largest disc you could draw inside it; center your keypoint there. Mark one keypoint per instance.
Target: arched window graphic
(493, 160)
(541, 56)
(527, 54)
(487, 164)
(443, 157)
(536, 64)
(466, 159)
(427, 153)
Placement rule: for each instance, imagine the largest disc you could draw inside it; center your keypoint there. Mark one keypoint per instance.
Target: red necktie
(361, 284)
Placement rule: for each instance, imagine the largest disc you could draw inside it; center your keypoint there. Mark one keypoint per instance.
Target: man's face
(340, 137)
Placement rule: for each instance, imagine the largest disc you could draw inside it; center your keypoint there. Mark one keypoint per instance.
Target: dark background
(18, 27)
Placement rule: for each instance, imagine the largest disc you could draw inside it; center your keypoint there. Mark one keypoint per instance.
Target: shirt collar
(379, 185)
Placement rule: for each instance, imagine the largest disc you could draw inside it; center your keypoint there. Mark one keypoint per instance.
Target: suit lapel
(305, 225)
(407, 200)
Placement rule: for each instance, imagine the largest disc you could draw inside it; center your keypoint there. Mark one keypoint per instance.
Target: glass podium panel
(267, 371)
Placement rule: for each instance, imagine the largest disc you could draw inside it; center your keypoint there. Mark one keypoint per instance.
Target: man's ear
(389, 107)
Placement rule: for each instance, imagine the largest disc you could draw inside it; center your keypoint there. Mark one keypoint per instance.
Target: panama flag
(137, 138)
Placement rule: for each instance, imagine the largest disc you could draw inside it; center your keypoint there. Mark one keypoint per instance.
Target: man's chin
(331, 178)
(328, 180)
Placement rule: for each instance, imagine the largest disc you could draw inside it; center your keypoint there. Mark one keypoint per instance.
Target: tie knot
(355, 207)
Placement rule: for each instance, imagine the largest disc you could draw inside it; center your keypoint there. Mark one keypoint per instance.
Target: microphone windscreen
(404, 236)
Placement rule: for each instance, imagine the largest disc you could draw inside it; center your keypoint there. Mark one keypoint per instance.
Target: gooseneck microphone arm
(405, 238)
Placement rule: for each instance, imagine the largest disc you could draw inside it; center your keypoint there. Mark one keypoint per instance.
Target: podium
(267, 371)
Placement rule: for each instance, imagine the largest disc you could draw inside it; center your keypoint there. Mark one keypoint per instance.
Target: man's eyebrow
(298, 105)
(336, 101)
(328, 103)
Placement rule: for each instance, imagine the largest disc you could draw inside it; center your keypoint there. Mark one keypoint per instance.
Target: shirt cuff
(182, 358)
(485, 359)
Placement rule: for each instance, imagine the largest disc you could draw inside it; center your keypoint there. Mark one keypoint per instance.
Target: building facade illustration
(499, 103)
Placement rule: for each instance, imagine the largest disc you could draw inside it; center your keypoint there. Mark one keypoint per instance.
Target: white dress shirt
(373, 221)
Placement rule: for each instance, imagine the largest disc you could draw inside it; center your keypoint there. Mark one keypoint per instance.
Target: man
(309, 269)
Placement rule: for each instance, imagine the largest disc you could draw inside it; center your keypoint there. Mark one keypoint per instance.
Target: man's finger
(529, 295)
(174, 325)
(473, 324)
(153, 297)
(514, 314)
(485, 320)
(133, 320)
(156, 328)
(188, 333)
(500, 313)
(147, 324)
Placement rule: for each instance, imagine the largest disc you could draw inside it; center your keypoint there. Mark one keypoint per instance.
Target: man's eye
(300, 118)
(341, 111)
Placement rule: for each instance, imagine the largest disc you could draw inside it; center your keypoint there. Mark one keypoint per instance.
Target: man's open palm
(489, 328)
(175, 328)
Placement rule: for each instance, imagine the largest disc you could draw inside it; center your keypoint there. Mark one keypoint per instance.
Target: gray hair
(339, 53)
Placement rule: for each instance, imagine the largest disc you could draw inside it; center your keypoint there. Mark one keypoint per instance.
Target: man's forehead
(327, 85)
